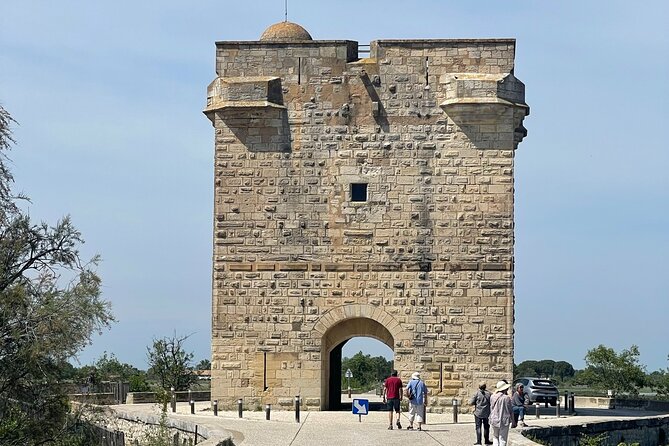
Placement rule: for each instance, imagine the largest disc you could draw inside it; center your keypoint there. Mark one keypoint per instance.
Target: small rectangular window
(358, 192)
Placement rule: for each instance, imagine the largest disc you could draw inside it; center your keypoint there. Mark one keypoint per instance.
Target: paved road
(344, 429)
(316, 428)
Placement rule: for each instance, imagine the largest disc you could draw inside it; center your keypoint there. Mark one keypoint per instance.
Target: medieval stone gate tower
(362, 196)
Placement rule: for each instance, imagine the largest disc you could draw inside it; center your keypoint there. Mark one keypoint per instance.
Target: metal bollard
(566, 401)
(215, 408)
(572, 408)
(240, 408)
(268, 410)
(297, 408)
(455, 410)
(557, 409)
(536, 410)
(192, 407)
(174, 400)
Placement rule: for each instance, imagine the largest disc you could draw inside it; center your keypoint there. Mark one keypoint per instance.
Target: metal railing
(363, 51)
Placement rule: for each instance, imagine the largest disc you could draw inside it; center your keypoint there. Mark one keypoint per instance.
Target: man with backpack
(416, 391)
(481, 403)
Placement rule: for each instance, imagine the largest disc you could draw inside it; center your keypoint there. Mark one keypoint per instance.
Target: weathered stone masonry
(424, 263)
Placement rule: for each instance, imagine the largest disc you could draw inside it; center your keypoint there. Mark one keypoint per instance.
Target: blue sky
(109, 95)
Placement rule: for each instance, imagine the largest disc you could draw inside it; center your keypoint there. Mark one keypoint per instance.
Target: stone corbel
(240, 93)
(488, 108)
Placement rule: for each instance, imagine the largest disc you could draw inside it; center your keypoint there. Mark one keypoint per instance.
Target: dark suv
(539, 390)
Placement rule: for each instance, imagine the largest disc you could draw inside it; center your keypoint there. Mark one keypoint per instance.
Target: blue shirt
(419, 390)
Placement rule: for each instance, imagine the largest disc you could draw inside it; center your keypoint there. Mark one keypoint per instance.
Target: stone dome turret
(285, 31)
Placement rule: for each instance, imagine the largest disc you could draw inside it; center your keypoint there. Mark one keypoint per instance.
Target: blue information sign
(360, 407)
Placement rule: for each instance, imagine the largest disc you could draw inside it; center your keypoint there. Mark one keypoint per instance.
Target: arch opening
(333, 343)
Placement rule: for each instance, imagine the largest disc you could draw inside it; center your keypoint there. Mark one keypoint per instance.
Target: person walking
(518, 401)
(500, 413)
(392, 395)
(416, 391)
(481, 403)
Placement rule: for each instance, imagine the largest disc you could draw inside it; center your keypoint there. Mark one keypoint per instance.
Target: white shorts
(416, 410)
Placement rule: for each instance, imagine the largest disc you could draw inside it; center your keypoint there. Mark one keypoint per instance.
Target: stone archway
(338, 326)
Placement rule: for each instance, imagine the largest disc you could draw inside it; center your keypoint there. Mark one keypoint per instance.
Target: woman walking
(501, 413)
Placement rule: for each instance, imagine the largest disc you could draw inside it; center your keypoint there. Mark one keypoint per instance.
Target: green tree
(607, 370)
(204, 364)
(170, 363)
(546, 368)
(109, 368)
(68, 372)
(88, 375)
(139, 383)
(525, 368)
(659, 381)
(7, 198)
(367, 371)
(563, 370)
(50, 306)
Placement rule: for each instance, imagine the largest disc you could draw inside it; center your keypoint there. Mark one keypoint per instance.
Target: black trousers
(486, 429)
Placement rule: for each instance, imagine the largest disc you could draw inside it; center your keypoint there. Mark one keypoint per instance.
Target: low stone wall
(150, 397)
(640, 404)
(651, 431)
(593, 402)
(133, 425)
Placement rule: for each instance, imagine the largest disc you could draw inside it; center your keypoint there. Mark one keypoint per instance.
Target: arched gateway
(361, 197)
(350, 321)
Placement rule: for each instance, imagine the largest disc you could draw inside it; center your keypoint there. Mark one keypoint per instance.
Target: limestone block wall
(424, 263)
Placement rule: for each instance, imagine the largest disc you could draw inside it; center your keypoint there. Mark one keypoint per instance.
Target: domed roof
(285, 31)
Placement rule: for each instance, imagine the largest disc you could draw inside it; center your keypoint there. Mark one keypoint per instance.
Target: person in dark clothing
(481, 403)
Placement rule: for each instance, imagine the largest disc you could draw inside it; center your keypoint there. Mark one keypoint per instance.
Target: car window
(543, 383)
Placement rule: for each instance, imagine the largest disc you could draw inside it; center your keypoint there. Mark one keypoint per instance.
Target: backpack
(408, 392)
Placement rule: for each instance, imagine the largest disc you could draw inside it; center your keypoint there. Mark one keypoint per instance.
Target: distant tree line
(170, 366)
(621, 372)
(605, 370)
(368, 372)
(558, 370)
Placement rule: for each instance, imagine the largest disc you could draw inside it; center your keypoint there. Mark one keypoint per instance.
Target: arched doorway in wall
(334, 341)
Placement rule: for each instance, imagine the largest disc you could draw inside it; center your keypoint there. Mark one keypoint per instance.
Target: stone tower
(361, 196)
